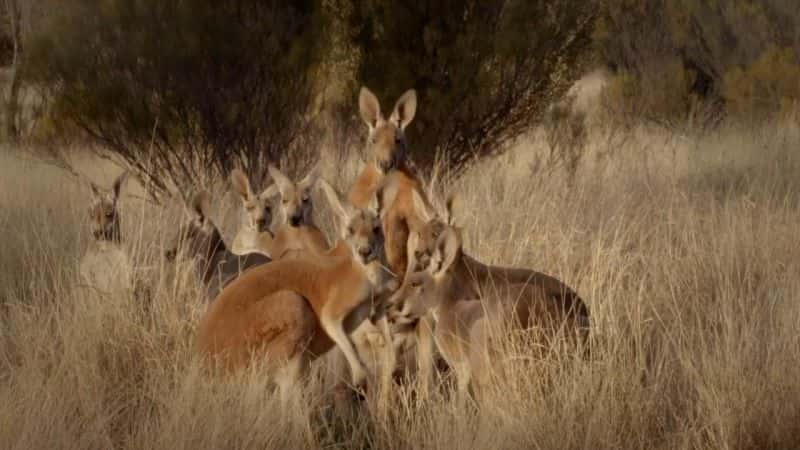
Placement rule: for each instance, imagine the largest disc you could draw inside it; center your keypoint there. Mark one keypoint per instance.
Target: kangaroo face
(361, 229)
(386, 142)
(258, 212)
(364, 234)
(103, 212)
(258, 208)
(296, 207)
(423, 255)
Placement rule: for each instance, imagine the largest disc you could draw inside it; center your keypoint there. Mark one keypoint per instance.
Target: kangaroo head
(425, 289)
(198, 237)
(422, 251)
(103, 211)
(257, 207)
(296, 207)
(361, 229)
(386, 142)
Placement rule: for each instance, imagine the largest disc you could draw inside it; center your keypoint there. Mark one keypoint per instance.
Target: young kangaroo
(342, 287)
(295, 229)
(388, 168)
(200, 240)
(255, 234)
(106, 266)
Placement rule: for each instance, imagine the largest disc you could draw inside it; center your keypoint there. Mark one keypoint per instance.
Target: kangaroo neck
(210, 263)
(470, 274)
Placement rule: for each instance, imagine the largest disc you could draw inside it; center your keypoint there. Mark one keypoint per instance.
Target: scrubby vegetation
(686, 253)
(669, 199)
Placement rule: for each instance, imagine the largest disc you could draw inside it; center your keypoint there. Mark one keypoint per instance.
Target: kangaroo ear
(411, 248)
(117, 186)
(285, 185)
(311, 179)
(269, 192)
(405, 109)
(451, 205)
(201, 205)
(450, 248)
(340, 206)
(241, 184)
(95, 190)
(369, 107)
(420, 207)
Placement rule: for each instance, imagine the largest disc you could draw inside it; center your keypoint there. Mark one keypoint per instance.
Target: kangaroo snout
(261, 224)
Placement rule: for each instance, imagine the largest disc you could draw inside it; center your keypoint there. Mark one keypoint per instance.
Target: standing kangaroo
(390, 172)
(200, 240)
(106, 266)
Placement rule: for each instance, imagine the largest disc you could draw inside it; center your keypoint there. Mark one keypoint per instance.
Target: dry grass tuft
(686, 250)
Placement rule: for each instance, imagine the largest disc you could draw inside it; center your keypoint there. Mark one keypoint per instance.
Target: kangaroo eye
(109, 214)
(351, 231)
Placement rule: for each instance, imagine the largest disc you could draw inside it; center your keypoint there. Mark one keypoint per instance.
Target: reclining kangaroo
(390, 173)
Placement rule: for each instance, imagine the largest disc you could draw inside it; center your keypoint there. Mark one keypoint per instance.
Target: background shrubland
(664, 186)
(679, 62)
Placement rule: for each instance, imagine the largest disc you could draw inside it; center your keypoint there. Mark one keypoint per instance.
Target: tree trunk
(12, 103)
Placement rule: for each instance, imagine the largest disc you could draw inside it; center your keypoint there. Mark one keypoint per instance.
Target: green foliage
(485, 71)
(182, 89)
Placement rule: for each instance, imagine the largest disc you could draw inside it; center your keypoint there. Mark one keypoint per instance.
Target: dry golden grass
(686, 251)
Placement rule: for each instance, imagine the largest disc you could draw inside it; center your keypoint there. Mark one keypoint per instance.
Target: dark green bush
(485, 71)
(183, 89)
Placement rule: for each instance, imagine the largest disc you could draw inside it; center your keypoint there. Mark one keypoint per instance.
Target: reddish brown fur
(333, 286)
(400, 218)
(365, 186)
(290, 241)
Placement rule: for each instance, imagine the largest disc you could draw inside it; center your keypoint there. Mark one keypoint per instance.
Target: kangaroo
(255, 234)
(295, 229)
(390, 172)
(340, 287)
(106, 266)
(464, 296)
(465, 304)
(291, 240)
(200, 240)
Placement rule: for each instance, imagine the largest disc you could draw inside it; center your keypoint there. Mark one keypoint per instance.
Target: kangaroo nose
(261, 224)
(295, 220)
(364, 251)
